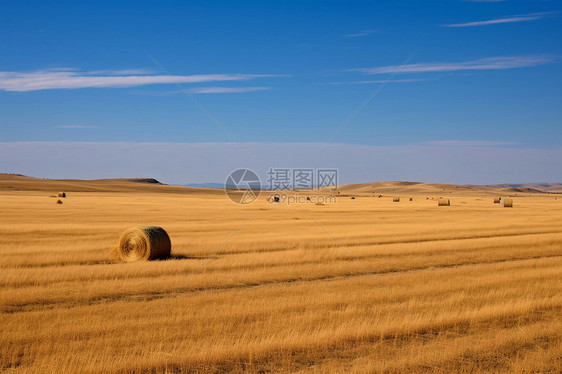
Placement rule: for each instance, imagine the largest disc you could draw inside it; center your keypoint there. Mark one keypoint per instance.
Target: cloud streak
(360, 34)
(119, 72)
(490, 63)
(389, 81)
(203, 90)
(71, 79)
(214, 90)
(468, 143)
(521, 18)
(75, 127)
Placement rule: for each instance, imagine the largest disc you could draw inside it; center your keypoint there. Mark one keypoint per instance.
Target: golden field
(363, 285)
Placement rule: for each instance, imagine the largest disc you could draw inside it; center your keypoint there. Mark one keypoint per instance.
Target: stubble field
(363, 285)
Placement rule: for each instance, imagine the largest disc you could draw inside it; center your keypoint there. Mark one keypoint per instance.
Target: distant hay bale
(444, 202)
(352, 198)
(396, 200)
(308, 198)
(143, 243)
(497, 200)
(62, 194)
(507, 203)
(59, 201)
(411, 199)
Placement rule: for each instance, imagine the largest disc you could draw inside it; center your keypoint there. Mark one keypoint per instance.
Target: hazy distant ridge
(24, 183)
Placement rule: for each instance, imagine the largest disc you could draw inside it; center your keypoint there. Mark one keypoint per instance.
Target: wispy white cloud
(157, 93)
(360, 34)
(121, 72)
(468, 143)
(389, 81)
(203, 90)
(491, 63)
(211, 90)
(72, 79)
(75, 127)
(384, 81)
(512, 19)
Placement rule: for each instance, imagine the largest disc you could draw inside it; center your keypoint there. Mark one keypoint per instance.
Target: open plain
(362, 285)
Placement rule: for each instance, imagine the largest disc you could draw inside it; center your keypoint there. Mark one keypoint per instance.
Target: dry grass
(474, 288)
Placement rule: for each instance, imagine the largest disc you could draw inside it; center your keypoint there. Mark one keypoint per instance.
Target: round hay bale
(144, 243)
(396, 200)
(411, 199)
(114, 254)
(497, 200)
(507, 203)
(62, 194)
(352, 198)
(59, 201)
(444, 202)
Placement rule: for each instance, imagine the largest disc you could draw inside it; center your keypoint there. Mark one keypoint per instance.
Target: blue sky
(457, 75)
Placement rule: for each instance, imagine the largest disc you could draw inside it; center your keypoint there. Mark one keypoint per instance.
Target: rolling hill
(16, 182)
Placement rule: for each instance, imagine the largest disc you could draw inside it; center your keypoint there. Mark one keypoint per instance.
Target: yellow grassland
(266, 288)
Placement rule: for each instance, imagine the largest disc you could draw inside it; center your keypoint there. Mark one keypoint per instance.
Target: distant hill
(521, 187)
(434, 189)
(15, 182)
(145, 180)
